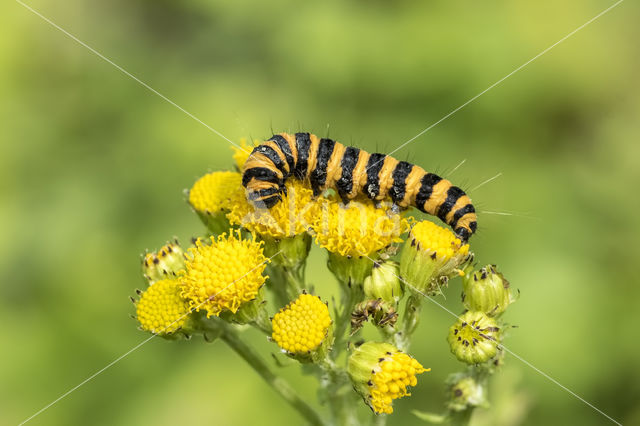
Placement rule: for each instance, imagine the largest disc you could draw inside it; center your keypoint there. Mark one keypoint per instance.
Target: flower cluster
(358, 229)
(248, 267)
(286, 219)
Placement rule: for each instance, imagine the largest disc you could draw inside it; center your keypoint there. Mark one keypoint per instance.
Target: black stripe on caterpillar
(325, 163)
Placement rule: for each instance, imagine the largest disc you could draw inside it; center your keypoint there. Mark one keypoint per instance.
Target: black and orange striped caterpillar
(325, 163)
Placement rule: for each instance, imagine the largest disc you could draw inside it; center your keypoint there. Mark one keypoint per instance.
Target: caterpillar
(325, 163)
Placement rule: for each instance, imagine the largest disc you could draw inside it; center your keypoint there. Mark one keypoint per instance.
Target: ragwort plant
(248, 268)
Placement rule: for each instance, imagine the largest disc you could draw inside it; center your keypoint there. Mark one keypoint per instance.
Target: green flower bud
(474, 339)
(430, 256)
(383, 283)
(290, 252)
(350, 269)
(464, 392)
(381, 373)
(164, 264)
(487, 290)
(382, 314)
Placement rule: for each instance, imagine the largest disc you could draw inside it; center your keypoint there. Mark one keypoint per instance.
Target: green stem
(410, 321)
(230, 337)
(334, 381)
(263, 323)
(352, 293)
(294, 278)
(287, 282)
(278, 285)
(379, 419)
(461, 418)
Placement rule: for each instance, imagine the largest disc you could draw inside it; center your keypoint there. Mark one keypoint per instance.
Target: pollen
(213, 192)
(290, 217)
(427, 236)
(390, 379)
(161, 309)
(302, 325)
(358, 229)
(224, 274)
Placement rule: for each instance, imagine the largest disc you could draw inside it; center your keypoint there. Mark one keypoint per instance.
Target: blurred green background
(93, 168)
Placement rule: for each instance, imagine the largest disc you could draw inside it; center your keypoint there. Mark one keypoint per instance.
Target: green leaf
(431, 417)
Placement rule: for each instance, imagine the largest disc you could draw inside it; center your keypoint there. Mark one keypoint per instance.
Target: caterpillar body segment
(325, 163)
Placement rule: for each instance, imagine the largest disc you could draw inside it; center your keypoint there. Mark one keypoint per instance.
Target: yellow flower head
(223, 275)
(434, 239)
(288, 218)
(358, 229)
(302, 325)
(391, 379)
(241, 153)
(213, 192)
(161, 309)
(381, 373)
(430, 256)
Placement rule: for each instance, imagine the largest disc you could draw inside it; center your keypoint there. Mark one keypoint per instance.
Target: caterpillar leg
(395, 209)
(463, 234)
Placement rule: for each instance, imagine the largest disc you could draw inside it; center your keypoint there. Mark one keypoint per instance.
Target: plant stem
(410, 321)
(295, 281)
(378, 419)
(263, 323)
(352, 293)
(288, 282)
(461, 418)
(230, 337)
(337, 394)
(277, 285)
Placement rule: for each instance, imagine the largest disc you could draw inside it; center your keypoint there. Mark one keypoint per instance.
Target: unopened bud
(165, 263)
(487, 290)
(465, 392)
(382, 314)
(384, 283)
(474, 339)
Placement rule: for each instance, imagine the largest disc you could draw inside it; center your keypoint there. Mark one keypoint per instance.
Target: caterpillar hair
(325, 163)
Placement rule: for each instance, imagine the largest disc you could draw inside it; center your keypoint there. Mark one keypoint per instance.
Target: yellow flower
(161, 309)
(288, 218)
(358, 229)
(430, 256)
(434, 239)
(223, 275)
(213, 192)
(381, 373)
(302, 325)
(240, 154)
